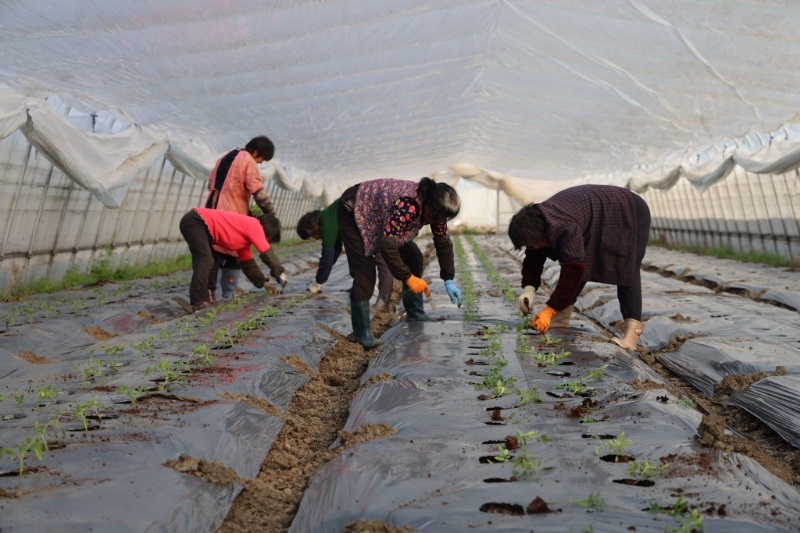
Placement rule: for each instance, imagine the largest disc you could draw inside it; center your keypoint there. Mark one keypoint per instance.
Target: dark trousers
(362, 268)
(630, 297)
(205, 261)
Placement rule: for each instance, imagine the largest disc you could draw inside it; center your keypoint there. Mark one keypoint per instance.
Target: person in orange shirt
(204, 228)
(234, 182)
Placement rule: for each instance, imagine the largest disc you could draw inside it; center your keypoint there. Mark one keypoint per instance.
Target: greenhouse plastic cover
(637, 92)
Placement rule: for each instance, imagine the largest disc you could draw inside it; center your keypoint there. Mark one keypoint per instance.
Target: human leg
(196, 234)
(630, 297)
(362, 268)
(413, 302)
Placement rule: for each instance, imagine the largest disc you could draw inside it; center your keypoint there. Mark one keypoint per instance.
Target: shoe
(199, 306)
(631, 330)
(361, 325)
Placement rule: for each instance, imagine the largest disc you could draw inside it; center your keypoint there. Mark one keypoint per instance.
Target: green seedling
(88, 407)
(132, 394)
(147, 346)
(687, 403)
(90, 370)
(643, 469)
(594, 502)
(21, 449)
(19, 397)
(617, 444)
(165, 334)
(547, 340)
(690, 523)
(170, 372)
(574, 386)
(45, 392)
(589, 420)
(528, 466)
(550, 358)
(223, 337)
(8, 318)
(529, 436)
(41, 430)
(528, 396)
(503, 455)
(595, 374)
(203, 356)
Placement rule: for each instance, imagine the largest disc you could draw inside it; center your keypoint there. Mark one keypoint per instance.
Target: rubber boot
(359, 315)
(630, 338)
(561, 319)
(381, 304)
(413, 305)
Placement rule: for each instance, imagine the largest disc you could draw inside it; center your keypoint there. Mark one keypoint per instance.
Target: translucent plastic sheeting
(433, 85)
(761, 398)
(111, 477)
(429, 475)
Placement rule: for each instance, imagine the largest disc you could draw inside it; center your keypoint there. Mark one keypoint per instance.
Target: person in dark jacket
(323, 225)
(382, 217)
(597, 233)
(203, 228)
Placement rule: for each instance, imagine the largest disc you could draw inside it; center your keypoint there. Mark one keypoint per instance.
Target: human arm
(276, 270)
(326, 261)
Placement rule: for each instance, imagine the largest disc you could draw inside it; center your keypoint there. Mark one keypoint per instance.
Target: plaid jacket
(590, 224)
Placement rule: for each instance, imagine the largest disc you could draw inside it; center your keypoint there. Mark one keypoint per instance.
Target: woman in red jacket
(203, 228)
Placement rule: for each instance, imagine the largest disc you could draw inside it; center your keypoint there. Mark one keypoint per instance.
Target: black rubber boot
(413, 305)
(359, 315)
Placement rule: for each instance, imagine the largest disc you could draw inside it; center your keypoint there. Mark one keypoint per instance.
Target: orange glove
(418, 285)
(541, 322)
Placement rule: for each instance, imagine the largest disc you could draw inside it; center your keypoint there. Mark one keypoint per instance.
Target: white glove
(283, 280)
(314, 287)
(526, 299)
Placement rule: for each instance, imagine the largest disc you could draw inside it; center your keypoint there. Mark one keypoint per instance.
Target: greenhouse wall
(747, 212)
(49, 224)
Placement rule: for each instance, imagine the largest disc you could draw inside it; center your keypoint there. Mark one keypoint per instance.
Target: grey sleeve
(253, 273)
(270, 259)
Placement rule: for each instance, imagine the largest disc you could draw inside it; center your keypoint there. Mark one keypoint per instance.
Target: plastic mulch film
(202, 382)
(761, 398)
(702, 335)
(446, 469)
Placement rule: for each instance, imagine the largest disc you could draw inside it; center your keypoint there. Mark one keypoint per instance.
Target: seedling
(528, 396)
(525, 437)
(46, 392)
(595, 374)
(547, 340)
(527, 466)
(550, 358)
(131, 394)
(19, 397)
(617, 444)
(41, 430)
(589, 420)
(203, 356)
(169, 371)
(223, 337)
(21, 449)
(594, 502)
(643, 469)
(690, 523)
(574, 386)
(503, 454)
(91, 406)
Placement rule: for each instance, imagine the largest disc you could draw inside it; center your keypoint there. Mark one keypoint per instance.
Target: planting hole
(636, 482)
(493, 442)
(566, 363)
(595, 436)
(490, 460)
(615, 458)
(12, 416)
(514, 509)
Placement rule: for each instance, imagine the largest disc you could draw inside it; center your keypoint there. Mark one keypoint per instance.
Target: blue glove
(453, 292)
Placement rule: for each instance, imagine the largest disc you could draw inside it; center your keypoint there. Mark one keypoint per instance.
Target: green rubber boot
(359, 315)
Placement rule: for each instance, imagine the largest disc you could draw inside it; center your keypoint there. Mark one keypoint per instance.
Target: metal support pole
(36, 223)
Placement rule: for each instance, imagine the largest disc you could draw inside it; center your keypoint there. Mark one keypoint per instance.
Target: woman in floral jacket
(381, 217)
